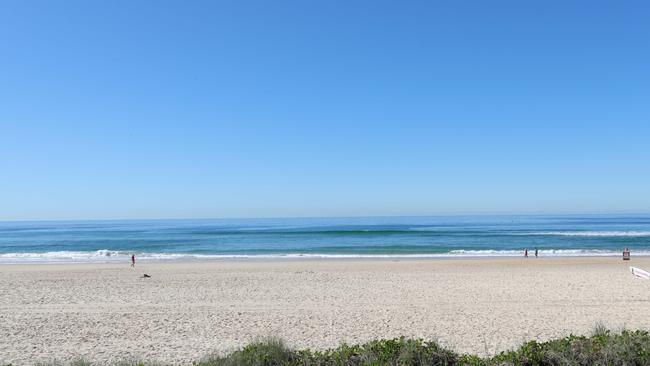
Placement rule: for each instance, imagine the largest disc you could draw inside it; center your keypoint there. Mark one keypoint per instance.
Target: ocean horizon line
(342, 217)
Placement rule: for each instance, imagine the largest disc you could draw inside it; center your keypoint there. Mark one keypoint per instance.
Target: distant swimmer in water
(133, 260)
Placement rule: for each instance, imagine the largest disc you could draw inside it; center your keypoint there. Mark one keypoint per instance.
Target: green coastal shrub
(399, 351)
(626, 348)
(268, 352)
(603, 348)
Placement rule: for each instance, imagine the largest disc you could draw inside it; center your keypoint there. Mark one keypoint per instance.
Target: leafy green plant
(626, 348)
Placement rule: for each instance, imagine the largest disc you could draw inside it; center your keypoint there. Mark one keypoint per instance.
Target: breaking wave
(112, 256)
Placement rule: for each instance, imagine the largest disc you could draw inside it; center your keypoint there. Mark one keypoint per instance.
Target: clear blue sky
(158, 109)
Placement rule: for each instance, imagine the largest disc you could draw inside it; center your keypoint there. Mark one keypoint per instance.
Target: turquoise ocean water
(453, 236)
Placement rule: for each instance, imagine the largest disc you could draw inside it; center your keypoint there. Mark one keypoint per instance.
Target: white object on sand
(640, 273)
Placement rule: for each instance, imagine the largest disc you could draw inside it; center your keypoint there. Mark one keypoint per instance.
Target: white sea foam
(545, 253)
(63, 256)
(634, 234)
(108, 256)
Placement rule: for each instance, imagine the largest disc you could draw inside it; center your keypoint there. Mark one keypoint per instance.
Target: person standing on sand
(526, 253)
(133, 260)
(536, 251)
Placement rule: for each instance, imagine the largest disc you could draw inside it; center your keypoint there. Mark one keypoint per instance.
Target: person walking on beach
(526, 253)
(536, 251)
(132, 260)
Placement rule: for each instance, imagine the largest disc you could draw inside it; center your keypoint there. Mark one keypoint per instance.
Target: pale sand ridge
(106, 312)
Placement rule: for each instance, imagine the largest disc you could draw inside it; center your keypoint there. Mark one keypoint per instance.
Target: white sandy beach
(106, 312)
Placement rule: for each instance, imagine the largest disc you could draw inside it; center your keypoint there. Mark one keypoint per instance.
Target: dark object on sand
(145, 276)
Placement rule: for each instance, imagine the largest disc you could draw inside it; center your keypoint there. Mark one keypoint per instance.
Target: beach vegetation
(263, 352)
(603, 347)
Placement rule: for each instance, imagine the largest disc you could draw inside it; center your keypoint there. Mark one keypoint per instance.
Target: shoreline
(291, 259)
(214, 262)
(107, 312)
(191, 258)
